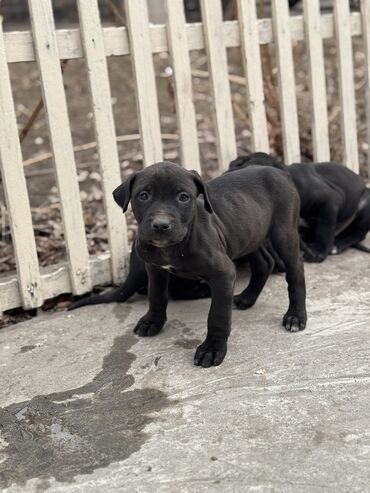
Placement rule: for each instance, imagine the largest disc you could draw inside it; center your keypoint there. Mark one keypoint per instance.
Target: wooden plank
(16, 195)
(180, 59)
(55, 280)
(288, 102)
(19, 45)
(218, 70)
(253, 72)
(346, 84)
(105, 134)
(146, 91)
(320, 130)
(61, 142)
(365, 14)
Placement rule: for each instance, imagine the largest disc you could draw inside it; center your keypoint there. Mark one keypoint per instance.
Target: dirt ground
(39, 170)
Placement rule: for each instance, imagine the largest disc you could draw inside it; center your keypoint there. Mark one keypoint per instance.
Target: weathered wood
(288, 102)
(320, 131)
(346, 84)
(55, 280)
(105, 135)
(95, 43)
(180, 60)
(16, 195)
(253, 71)
(146, 91)
(61, 142)
(19, 45)
(218, 70)
(365, 14)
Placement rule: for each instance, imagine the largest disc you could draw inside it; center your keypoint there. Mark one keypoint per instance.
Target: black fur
(238, 215)
(335, 204)
(137, 282)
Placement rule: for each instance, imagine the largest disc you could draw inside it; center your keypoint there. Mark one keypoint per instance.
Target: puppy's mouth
(162, 243)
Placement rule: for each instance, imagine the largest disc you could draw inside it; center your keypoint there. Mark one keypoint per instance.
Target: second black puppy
(199, 238)
(335, 203)
(137, 282)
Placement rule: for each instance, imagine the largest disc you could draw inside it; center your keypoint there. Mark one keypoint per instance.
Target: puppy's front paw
(148, 327)
(243, 301)
(208, 355)
(294, 322)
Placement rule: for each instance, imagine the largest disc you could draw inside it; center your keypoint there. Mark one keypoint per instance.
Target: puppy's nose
(161, 224)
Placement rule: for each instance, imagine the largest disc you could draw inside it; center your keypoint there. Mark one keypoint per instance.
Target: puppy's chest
(178, 263)
(181, 267)
(177, 269)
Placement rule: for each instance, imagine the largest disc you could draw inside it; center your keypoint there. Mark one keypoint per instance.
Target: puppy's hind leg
(324, 234)
(357, 230)
(278, 263)
(286, 243)
(261, 264)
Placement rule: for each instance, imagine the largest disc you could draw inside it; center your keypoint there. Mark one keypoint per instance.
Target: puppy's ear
(202, 189)
(122, 194)
(239, 162)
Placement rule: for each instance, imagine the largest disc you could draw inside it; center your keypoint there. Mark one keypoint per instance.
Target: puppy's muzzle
(161, 224)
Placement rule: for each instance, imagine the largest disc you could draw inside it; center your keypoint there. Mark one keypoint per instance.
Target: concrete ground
(87, 406)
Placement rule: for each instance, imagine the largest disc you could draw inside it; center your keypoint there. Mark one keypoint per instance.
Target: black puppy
(335, 203)
(199, 238)
(137, 282)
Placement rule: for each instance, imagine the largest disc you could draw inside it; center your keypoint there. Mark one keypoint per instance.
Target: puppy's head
(257, 158)
(163, 198)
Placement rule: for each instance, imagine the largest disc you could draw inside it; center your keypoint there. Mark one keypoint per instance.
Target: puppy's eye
(184, 197)
(143, 196)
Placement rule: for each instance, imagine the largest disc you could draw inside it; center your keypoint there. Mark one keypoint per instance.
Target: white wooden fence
(48, 46)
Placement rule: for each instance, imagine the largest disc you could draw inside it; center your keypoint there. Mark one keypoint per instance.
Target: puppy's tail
(361, 247)
(119, 294)
(136, 281)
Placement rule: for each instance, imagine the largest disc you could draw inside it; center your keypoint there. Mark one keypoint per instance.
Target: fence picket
(93, 43)
(180, 59)
(146, 91)
(217, 61)
(288, 102)
(365, 14)
(14, 183)
(253, 71)
(141, 40)
(346, 83)
(56, 109)
(55, 280)
(320, 130)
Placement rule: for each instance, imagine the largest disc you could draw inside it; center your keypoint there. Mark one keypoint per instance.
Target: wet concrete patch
(184, 340)
(25, 349)
(74, 432)
(187, 343)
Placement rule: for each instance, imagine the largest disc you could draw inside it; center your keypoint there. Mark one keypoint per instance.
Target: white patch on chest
(167, 267)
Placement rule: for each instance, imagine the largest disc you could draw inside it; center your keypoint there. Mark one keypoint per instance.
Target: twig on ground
(91, 145)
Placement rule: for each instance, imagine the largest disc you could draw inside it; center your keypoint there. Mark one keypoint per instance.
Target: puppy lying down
(196, 230)
(335, 204)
